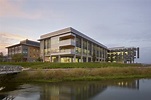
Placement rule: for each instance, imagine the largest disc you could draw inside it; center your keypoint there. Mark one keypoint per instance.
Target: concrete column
(50, 58)
(81, 49)
(50, 49)
(46, 43)
(133, 60)
(104, 55)
(59, 58)
(92, 52)
(95, 53)
(75, 45)
(99, 54)
(41, 50)
(87, 53)
(74, 58)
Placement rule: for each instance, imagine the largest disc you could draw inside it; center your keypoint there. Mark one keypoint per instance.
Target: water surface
(84, 90)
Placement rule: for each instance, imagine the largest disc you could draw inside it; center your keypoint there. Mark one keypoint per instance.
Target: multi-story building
(70, 45)
(29, 49)
(123, 54)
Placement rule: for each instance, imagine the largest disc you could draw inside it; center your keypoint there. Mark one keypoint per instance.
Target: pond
(127, 89)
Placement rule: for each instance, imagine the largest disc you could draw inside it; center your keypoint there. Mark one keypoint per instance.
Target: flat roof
(21, 44)
(117, 48)
(27, 43)
(68, 30)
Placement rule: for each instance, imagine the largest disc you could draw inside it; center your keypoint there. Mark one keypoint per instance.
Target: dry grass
(84, 73)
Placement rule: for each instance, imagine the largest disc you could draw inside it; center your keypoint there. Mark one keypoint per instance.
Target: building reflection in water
(62, 91)
(19, 92)
(4, 89)
(128, 84)
(81, 90)
(71, 91)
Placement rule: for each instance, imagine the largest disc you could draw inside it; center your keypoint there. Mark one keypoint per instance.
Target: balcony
(67, 36)
(68, 42)
(63, 51)
(67, 51)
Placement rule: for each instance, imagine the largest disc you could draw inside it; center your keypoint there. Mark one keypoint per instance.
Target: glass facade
(25, 50)
(122, 55)
(66, 59)
(71, 47)
(85, 50)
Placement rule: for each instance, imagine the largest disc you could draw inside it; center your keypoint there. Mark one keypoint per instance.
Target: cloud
(9, 9)
(11, 36)
(18, 9)
(7, 39)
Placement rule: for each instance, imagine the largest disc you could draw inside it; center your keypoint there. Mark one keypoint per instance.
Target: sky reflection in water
(84, 90)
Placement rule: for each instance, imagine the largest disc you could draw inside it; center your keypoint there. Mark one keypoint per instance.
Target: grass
(52, 72)
(48, 65)
(84, 74)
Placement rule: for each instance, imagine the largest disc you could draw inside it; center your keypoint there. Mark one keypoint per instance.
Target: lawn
(48, 65)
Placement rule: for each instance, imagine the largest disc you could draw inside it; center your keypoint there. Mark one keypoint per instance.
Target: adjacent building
(123, 54)
(70, 45)
(29, 49)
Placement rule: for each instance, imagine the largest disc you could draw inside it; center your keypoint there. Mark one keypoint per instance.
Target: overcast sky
(113, 23)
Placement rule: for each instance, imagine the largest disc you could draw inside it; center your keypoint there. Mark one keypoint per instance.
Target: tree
(17, 57)
(1, 56)
(39, 59)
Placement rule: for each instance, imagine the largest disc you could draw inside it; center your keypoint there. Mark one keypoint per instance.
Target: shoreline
(58, 72)
(82, 74)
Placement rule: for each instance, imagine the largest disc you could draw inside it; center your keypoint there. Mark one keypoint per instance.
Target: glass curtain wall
(78, 45)
(47, 43)
(54, 44)
(89, 48)
(25, 50)
(84, 47)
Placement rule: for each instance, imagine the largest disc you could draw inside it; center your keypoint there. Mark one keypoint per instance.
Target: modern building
(29, 49)
(123, 54)
(70, 45)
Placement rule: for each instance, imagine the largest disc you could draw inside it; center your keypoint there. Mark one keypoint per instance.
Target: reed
(84, 74)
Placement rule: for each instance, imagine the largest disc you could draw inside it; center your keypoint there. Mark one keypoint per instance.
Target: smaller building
(29, 49)
(123, 54)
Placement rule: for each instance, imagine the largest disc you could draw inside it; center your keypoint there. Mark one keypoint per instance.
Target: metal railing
(60, 51)
(6, 69)
(67, 50)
